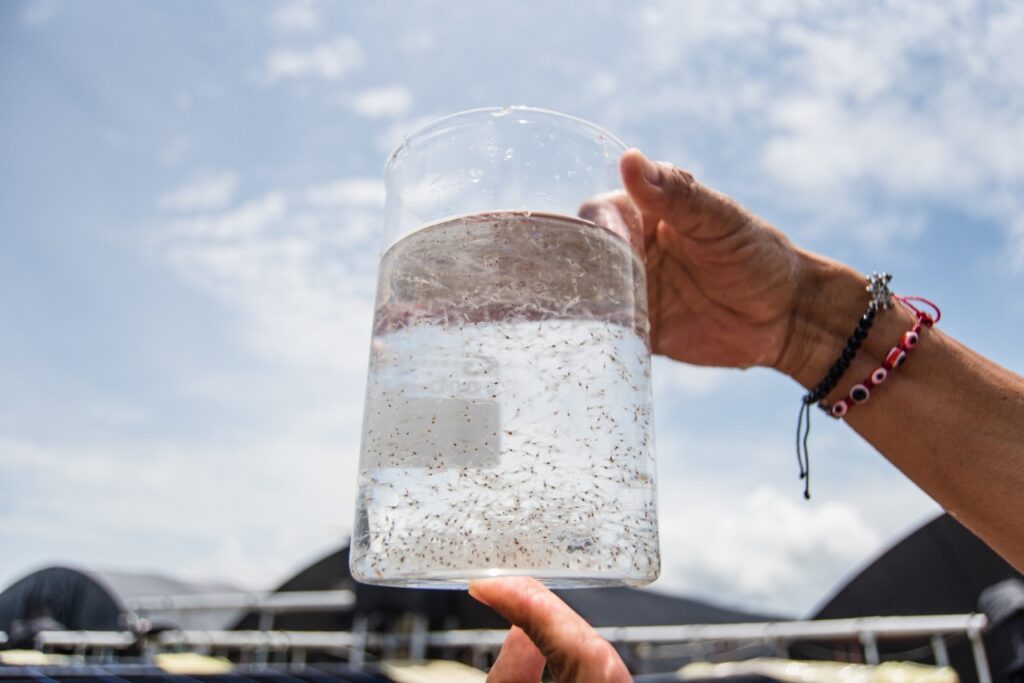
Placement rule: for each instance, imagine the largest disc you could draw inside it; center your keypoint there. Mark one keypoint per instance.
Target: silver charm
(878, 287)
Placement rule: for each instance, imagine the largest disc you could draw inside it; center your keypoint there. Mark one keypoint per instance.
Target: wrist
(830, 299)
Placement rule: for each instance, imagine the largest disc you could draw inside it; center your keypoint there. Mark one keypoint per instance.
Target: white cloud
(297, 268)
(841, 111)
(39, 12)
(294, 271)
(416, 41)
(175, 150)
(735, 529)
(296, 16)
(214, 496)
(390, 102)
(205, 191)
(765, 549)
(329, 61)
(673, 377)
(348, 191)
(603, 84)
(248, 219)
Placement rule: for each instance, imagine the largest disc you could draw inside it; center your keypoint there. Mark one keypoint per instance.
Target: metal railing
(80, 641)
(266, 605)
(290, 601)
(866, 631)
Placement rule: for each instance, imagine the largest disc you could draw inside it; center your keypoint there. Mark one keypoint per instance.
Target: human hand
(721, 282)
(725, 288)
(546, 631)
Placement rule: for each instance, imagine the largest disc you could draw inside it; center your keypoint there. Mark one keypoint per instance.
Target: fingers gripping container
(507, 426)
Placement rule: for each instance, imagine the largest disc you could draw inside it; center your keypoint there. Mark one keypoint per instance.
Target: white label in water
(435, 433)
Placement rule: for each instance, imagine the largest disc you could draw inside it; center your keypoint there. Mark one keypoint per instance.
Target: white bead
(859, 393)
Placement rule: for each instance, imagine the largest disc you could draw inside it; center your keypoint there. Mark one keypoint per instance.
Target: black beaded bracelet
(881, 299)
(845, 358)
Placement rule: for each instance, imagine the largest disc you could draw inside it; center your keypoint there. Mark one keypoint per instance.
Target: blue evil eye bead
(839, 408)
(859, 393)
(879, 375)
(910, 339)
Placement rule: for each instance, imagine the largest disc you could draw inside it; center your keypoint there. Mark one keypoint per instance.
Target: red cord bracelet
(897, 356)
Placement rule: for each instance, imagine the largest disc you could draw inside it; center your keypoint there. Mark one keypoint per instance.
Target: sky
(190, 204)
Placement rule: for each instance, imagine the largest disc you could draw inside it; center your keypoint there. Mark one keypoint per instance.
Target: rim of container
(430, 128)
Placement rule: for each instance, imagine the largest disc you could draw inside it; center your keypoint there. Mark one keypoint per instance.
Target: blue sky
(190, 198)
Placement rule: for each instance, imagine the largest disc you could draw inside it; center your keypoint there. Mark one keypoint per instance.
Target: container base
(460, 580)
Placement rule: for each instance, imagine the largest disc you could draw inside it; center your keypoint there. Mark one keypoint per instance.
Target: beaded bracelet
(881, 299)
(896, 357)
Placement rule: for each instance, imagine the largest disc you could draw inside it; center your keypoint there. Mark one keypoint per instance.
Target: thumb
(663, 191)
(519, 660)
(574, 651)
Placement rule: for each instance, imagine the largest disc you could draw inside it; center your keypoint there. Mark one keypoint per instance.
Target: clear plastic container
(508, 423)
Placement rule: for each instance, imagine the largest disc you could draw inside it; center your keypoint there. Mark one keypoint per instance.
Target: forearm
(952, 421)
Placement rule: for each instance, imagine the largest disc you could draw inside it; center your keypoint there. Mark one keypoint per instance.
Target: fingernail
(474, 592)
(652, 172)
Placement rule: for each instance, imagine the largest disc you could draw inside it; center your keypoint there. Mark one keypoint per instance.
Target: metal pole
(478, 658)
(418, 638)
(266, 623)
(780, 646)
(870, 645)
(358, 652)
(939, 650)
(81, 649)
(980, 658)
(637, 662)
